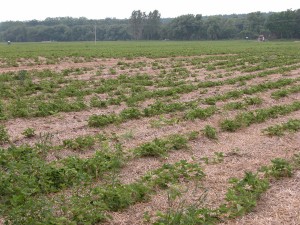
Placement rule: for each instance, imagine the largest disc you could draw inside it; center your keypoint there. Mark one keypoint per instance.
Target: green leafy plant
(200, 113)
(210, 132)
(130, 113)
(29, 132)
(80, 143)
(160, 147)
(4, 137)
(242, 196)
(102, 120)
(279, 168)
(292, 125)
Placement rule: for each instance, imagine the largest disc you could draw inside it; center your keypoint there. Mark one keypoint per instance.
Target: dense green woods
(143, 26)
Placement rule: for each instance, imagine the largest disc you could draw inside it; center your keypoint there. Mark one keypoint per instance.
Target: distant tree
(214, 27)
(255, 24)
(137, 20)
(185, 27)
(152, 26)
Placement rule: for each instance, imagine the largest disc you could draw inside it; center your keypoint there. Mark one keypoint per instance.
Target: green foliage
(285, 92)
(230, 125)
(210, 132)
(96, 102)
(172, 173)
(80, 143)
(83, 210)
(130, 113)
(258, 116)
(19, 108)
(31, 175)
(160, 147)
(279, 168)
(200, 113)
(119, 196)
(242, 196)
(162, 121)
(95, 166)
(253, 101)
(190, 215)
(2, 113)
(218, 158)
(234, 106)
(29, 132)
(102, 120)
(292, 125)
(4, 137)
(160, 108)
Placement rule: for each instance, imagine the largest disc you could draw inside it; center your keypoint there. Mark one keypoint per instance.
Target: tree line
(150, 26)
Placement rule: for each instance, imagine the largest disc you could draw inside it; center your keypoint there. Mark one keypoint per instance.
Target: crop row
(241, 197)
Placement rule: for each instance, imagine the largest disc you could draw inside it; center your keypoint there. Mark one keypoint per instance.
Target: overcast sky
(97, 9)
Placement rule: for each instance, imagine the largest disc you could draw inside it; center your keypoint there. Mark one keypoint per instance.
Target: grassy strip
(245, 119)
(292, 125)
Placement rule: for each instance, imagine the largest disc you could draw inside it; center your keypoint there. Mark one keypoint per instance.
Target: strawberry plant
(210, 132)
(4, 137)
(29, 132)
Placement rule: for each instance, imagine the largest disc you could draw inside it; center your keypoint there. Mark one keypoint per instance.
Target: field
(150, 133)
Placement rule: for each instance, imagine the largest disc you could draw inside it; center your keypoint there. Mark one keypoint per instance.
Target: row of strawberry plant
(285, 92)
(292, 125)
(90, 205)
(245, 119)
(241, 197)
